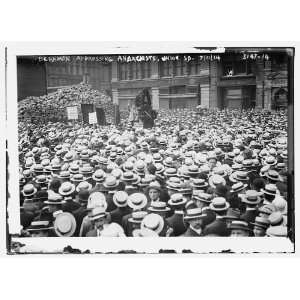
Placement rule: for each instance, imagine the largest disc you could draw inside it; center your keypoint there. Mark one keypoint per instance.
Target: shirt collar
(198, 231)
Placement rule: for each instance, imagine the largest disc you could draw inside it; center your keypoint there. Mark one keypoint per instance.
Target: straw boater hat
(54, 199)
(64, 175)
(267, 209)
(29, 163)
(158, 206)
(280, 204)
(67, 188)
(41, 179)
(168, 162)
(86, 171)
(110, 182)
(76, 178)
(177, 200)
(153, 185)
(261, 222)
(153, 222)
(276, 218)
(193, 170)
(215, 180)
(38, 169)
(29, 190)
(273, 175)
(270, 161)
(137, 201)
(144, 232)
(97, 213)
(194, 213)
(128, 177)
(99, 176)
(239, 176)
(39, 226)
(232, 214)
(264, 170)
(159, 168)
(203, 197)
(137, 217)
(173, 184)
(83, 185)
(251, 197)
(120, 199)
(116, 173)
(199, 184)
(145, 181)
(239, 224)
(219, 204)
(68, 157)
(170, 172)
(64, 224)
(270, 189)
(96, 199)
(157, 158)
(237, 187)
(277, 231)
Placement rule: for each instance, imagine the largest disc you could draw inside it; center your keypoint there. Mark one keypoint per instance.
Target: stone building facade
(235, 80)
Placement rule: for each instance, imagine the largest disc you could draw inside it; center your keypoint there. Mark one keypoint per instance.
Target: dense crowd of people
(195, 173)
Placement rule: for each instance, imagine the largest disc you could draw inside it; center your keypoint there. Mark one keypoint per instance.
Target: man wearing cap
(194, 218)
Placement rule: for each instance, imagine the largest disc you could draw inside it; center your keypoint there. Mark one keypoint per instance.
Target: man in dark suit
(218, 227)
(82, 211)
(120, 200)
(203, 200)
(177, 202)
(194, 218)
(251, 198)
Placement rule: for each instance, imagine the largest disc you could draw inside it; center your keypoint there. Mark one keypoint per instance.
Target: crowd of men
(195, 173)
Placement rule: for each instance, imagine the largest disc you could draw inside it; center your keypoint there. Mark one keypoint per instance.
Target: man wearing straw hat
(194, 218)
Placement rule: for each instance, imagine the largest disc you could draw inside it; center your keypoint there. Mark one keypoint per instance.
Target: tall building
(234, 80)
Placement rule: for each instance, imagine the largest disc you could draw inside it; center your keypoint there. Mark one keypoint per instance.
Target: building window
(166, 69)
(236, 67)
(194, 67)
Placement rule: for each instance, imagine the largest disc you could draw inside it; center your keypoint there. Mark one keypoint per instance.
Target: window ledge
(237, 76)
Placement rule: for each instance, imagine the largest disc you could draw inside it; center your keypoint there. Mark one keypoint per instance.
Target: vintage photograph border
(132, 245)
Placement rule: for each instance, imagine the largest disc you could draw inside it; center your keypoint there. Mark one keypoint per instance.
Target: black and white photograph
(134, 150)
